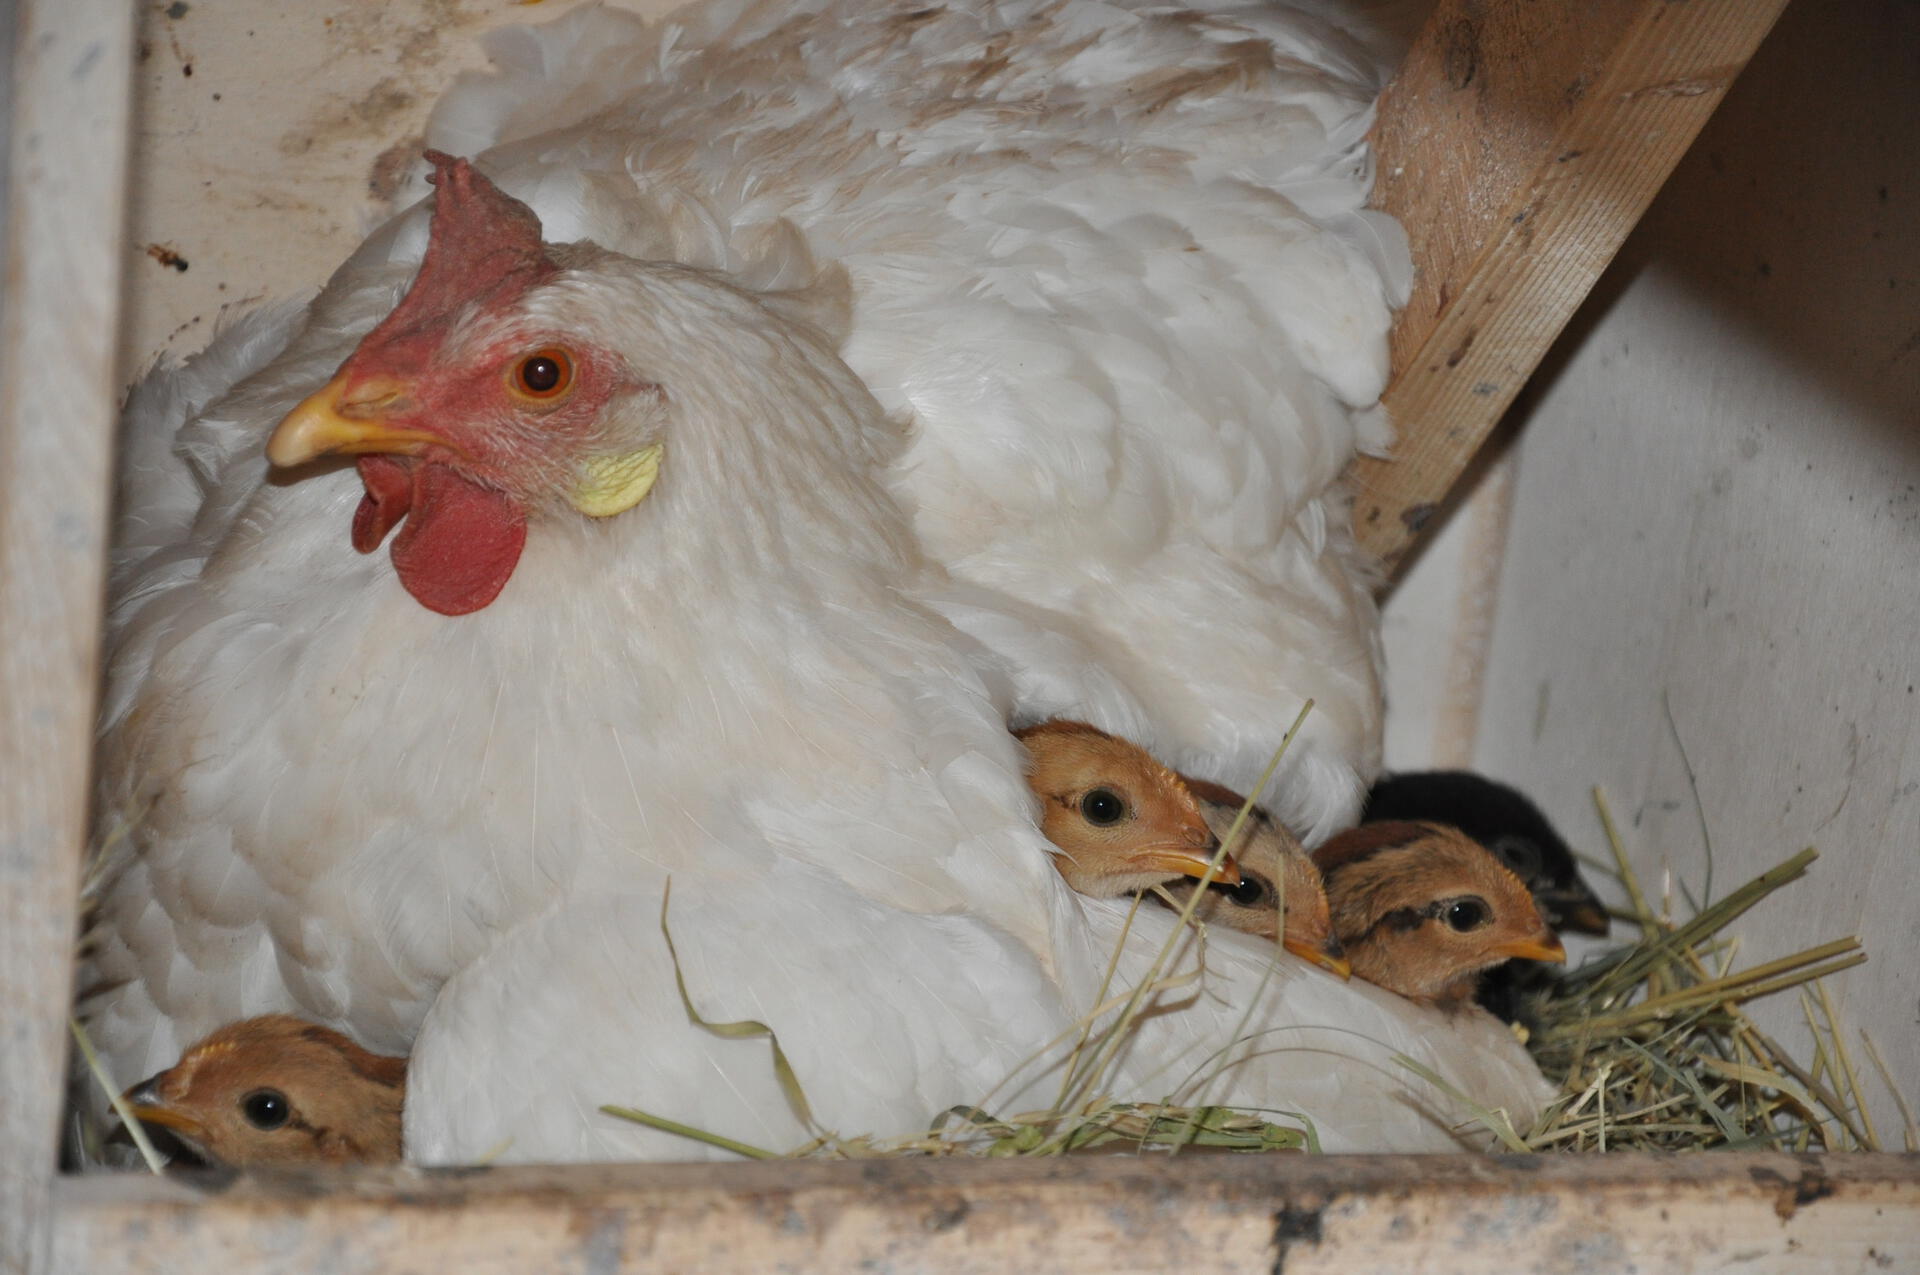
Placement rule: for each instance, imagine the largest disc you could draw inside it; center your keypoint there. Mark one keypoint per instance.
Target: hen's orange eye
(544, 374)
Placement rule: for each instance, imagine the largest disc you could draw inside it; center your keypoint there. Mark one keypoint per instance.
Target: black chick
(1511, 826)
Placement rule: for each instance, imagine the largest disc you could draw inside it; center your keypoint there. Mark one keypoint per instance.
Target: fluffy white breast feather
(1010, 353)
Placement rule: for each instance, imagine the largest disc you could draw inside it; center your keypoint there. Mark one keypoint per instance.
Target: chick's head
(1279, 894)
(1122, 821)
(1506, 822)
(278, 1091)
(1421, 909)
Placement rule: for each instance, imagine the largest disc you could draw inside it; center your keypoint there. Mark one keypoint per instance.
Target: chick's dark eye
(1103, 807)
(1466, 914)
(543, 374)
(1251, 892)
(1519, 854)
(266, 1108)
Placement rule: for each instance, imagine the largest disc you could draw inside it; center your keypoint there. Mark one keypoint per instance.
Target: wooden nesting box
(1520, 145)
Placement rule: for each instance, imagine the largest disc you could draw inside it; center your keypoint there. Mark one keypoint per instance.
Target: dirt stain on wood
(168, 255)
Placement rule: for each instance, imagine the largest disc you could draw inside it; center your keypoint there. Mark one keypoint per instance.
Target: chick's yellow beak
(1328, 957)
(347, 416)
(167, 1118)
(1587, 918)
(1187, 861)
(144, 1102)
(1552, 950)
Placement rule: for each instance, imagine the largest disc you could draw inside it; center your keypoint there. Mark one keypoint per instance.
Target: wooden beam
(1196, 1214)
(1519, 144)
(66, 171)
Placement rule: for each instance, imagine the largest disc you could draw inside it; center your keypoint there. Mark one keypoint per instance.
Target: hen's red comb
(481, 243)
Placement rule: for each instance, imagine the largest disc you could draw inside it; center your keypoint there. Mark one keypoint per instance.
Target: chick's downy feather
(1004, 357)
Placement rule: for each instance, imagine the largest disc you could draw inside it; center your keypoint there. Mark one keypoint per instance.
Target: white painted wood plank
(269, 137)
(1719, 500)
(66, 164)
(1437, 628)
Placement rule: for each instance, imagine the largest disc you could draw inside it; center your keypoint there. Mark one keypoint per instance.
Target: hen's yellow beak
(347, 419)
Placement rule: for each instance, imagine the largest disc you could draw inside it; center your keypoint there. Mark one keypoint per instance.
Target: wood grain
(1196, 1214)
(66, 168)
(1519, 144)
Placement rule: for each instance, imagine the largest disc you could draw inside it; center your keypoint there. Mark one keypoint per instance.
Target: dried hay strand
(1653, 1050)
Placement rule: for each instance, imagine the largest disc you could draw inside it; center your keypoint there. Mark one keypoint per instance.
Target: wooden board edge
(1436, 1214)
(1589, 183)
(67, 161)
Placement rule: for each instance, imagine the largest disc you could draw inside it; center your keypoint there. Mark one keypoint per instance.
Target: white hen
(1109, 276)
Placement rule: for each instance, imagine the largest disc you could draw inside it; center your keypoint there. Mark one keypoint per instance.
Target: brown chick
(1123, 821)
(1266, 852)
(279, 1091)
(1422, 909)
